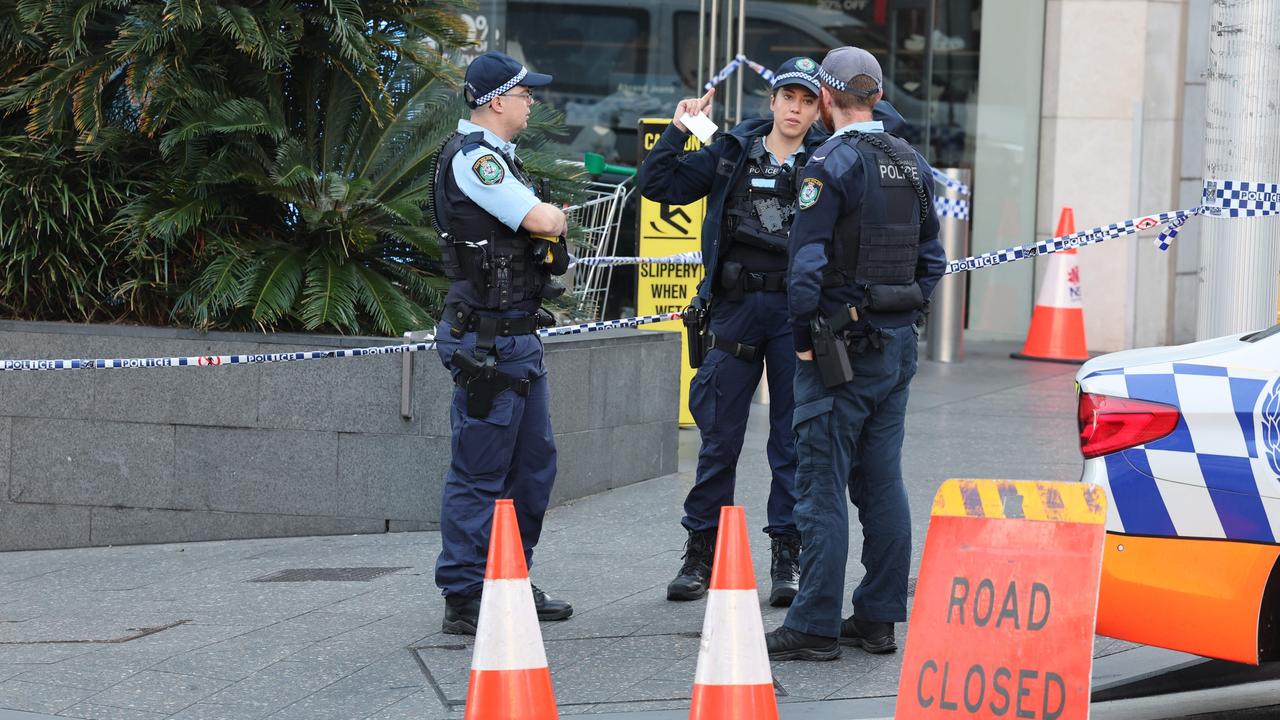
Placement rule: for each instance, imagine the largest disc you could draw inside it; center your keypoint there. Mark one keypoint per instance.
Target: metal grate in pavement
(587, 672)
(343, 574)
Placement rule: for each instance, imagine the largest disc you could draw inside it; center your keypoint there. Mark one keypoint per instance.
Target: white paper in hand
(699, 125)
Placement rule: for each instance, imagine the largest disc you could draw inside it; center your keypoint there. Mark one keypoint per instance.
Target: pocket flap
(811, 410)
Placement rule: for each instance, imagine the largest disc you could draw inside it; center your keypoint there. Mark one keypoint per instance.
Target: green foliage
(227, 164)
(53, 262)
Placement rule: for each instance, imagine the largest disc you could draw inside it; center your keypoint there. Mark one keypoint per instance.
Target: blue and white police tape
(732, 67)
(210, 360)
(1082, 238)
(685, 258)
(261, 358)
(608, 324)
(942, 179)
(998, 257)
(1227, 198)
(951, 208)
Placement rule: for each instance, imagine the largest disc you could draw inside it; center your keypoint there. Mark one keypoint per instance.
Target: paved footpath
(248, 629)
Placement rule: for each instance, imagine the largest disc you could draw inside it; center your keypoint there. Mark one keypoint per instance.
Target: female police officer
(489, 218)
(749, 177)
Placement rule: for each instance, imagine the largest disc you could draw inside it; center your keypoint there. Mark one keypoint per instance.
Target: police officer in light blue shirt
(502, 245)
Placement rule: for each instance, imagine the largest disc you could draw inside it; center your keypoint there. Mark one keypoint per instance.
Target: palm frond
(275, 285)
(329, 295)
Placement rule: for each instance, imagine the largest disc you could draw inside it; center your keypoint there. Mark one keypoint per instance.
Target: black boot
(695, 574)
(787, 644)
(549, 608)
(785, 570)
(874, 637)
(461, 614)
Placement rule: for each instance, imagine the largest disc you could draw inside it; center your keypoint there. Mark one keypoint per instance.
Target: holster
(696, 319)
(482, 381)
(731, 281)
(830, 353)
(553, 252)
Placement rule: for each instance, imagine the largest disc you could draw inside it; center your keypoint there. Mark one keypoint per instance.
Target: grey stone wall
(111, 457)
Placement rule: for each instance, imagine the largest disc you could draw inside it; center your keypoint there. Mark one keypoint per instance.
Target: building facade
(1097, 105)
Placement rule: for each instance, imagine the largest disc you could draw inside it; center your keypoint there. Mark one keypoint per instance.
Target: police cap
(797, 71)
(843, 64)
(493, 74)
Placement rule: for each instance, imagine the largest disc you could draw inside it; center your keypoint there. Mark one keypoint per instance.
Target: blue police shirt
(837, 170)
(486, 178)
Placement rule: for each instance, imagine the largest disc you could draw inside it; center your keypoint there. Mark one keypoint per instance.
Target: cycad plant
(286, 146)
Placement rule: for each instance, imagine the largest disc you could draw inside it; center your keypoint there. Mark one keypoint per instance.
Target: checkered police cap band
(503, 88)
(779, 79)
(831, 80)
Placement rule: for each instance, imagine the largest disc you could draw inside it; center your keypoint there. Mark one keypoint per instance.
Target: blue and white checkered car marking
(503, 88)
(1214, 475)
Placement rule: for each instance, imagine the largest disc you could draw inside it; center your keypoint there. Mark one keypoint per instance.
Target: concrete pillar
(1240, 258)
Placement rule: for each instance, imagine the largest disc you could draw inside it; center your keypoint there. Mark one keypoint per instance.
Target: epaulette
(472, 141)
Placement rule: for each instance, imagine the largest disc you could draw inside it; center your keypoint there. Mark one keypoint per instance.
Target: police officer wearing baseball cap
(864, 259)
(750, 177)
(502, 244)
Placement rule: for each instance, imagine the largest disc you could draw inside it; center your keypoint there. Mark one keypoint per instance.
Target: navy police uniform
(750, 204)
(865, 237)
(502, 442)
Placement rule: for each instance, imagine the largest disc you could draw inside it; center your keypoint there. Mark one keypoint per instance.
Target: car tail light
(1108, 424)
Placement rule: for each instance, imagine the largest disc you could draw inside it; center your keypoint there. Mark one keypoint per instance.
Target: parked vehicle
(1186, 441)
(615, 63)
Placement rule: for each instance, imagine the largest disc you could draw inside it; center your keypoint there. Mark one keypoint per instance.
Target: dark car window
(589, 49)
(766, 42)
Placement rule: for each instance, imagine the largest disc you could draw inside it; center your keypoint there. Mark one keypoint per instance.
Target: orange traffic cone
(1057, 323)
(510, 679)
(733, 680)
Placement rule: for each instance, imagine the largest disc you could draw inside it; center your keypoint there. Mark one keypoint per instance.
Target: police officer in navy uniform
(502, 244)
(864, 259)
(750, 178)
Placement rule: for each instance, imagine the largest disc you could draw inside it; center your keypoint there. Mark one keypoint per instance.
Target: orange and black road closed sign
(667, 230)
(1003, 618)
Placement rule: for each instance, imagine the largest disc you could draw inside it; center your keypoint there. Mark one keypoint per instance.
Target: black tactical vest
(759, 210)
(877, 242)
(490, 265)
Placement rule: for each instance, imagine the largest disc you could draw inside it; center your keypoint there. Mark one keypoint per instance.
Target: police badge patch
(806, 65)
(810, 189)
(489, 170)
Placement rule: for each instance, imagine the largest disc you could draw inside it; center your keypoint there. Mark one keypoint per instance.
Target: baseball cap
(493, 74)
(797, 71)
(843, 64)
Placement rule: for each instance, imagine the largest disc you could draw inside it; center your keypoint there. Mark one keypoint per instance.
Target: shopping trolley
(597, 220)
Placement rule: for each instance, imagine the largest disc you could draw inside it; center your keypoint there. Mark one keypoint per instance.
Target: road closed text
(1028, 693)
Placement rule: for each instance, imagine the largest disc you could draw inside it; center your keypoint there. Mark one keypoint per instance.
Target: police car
(1186, 442)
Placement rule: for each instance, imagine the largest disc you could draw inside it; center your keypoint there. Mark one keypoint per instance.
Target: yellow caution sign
(667, 230)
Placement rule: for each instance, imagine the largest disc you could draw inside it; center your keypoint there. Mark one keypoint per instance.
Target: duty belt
(465, 319)
(764, 281)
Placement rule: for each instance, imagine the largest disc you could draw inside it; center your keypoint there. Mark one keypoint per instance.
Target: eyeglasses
(526, 95)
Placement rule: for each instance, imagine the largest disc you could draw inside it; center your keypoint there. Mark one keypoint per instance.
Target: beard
(827, 119)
